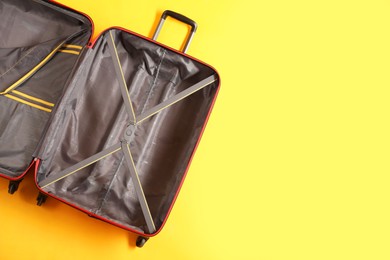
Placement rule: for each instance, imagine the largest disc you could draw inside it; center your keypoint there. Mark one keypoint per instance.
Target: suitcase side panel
(39, 45)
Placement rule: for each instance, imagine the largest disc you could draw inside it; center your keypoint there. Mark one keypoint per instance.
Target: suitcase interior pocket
(39, 46)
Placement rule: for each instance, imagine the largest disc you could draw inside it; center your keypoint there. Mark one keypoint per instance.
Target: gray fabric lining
(92, 117)
(30, 31)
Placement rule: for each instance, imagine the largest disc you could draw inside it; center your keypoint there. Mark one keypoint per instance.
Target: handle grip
(181, 18)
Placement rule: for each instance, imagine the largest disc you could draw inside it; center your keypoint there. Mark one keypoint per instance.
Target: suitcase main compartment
(92, 117)
(39, 46)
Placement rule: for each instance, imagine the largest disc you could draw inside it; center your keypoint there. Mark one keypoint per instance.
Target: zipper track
(71, 13)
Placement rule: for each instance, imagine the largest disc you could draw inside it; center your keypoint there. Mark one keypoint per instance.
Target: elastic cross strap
(176, 98)
(79, 166)
(120, 77)
(138, 188)
(133, 172)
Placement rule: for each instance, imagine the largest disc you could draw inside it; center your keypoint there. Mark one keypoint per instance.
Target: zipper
(73, 14)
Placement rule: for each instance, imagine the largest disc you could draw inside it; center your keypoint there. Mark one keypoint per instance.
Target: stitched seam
(17, 62)
(158, 68)
(154, 82)
(110, 186)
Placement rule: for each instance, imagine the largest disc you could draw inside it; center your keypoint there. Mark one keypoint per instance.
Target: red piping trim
(20, 176)
(91, 45)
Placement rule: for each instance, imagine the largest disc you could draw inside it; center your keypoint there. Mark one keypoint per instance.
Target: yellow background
(294, 163)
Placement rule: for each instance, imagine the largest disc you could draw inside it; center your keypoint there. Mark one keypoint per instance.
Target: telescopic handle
(180, 18)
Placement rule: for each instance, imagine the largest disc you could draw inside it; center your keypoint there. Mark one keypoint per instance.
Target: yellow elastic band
(73, 46)
(123, 76)
(71, 52)
(33, 98)
(79, 169)
(28, 103)
(31, 71)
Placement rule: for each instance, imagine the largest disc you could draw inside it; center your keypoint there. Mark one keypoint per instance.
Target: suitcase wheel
(141, 241)
(41, 199)
(13, 186)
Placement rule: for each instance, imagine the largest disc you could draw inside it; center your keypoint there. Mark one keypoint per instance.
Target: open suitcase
(110, 126)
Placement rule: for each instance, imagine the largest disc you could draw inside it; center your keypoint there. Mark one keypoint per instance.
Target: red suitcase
(117, 120)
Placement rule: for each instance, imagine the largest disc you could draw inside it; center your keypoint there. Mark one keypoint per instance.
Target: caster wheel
(41, 199)
(141, 241)
(13, 186)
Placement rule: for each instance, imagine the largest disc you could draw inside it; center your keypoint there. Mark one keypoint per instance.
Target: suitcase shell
(117, 137)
